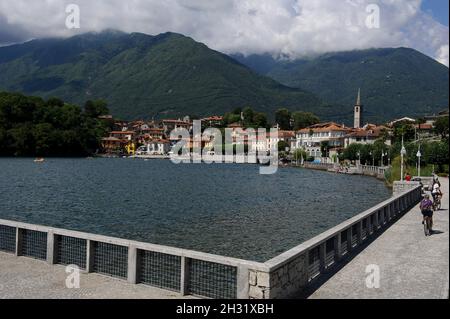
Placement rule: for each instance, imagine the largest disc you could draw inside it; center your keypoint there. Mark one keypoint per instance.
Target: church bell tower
(358, 111)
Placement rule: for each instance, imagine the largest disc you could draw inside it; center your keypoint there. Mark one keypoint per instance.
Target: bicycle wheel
(426, 229)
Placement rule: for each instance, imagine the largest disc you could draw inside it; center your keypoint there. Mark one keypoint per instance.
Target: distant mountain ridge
(143, 76)
(170, 75)
(394, 82)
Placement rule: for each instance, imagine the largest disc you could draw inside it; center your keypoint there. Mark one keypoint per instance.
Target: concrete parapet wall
(404, 186)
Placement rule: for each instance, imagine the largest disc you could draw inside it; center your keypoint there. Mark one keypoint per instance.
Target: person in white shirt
(436, 190)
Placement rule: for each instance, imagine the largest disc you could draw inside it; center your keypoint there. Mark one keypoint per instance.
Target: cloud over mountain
(280, 27)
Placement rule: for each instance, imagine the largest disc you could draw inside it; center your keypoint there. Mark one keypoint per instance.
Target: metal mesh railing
(71, 251)
(160, 270)
(344, 245)
(364, 229)
(8, 239)
(212, 280)
(354, 235)
(314, 263)
(329, 252)
(110, 259)
(34, 244)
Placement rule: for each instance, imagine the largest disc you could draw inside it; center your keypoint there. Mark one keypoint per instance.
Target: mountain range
(143, 76)
(171, 75)
(395, 82)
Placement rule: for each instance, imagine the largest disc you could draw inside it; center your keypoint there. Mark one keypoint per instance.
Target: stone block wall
(282, 282)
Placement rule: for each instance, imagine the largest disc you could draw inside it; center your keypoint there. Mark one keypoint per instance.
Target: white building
(310, 139)
(155, 147)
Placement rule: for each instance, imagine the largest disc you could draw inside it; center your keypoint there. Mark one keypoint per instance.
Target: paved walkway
(26, 278)
(411, 265)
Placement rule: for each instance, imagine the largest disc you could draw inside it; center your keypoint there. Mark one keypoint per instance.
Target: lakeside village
(329, 142)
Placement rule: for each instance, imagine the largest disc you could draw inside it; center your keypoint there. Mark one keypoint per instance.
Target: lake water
(224, 209)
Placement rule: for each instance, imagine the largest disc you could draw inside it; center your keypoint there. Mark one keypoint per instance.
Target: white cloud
(291, 27)
(442, 54)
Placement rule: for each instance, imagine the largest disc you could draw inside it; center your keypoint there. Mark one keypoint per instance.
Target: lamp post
(419, 155)
(373, 158)
(382, 157)
(402, 153)
(359, 158)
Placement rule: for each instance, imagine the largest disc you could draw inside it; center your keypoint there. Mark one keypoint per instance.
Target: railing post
(184, 280)
(359, 232)
(322, 256)
(369, 226)
(90, 248)
(337, 247)
(349, 239)
(19, 240)
(51, 248)
(132, 264)
(242, 282)
(376, 223)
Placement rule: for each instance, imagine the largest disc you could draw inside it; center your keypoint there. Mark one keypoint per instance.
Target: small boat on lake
(39, 160)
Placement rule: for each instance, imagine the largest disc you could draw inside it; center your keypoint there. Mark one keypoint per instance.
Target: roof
(176, 122)
(424, 126)
(403, 119)
(281, 134)
(325, 127)
(234, 125)
(213, 118)
(370, 130)
(153, 129)
(114, 139)
(122, 132)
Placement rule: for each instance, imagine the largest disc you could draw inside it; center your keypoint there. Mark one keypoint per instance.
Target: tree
(304, 119)
(248, 114)
(404, 129)
(300, 154)
(96, 108)
(260, 120)
(30, 126)
(324, 147)
(441, 126)
(352, 151)
(283, 119)
(230, 118)
(282, 146)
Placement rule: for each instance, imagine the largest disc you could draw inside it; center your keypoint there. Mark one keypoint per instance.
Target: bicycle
(427, 226)
(437, 203)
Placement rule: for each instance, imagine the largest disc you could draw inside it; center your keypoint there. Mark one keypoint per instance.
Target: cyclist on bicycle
(426, 206)
(436, 190)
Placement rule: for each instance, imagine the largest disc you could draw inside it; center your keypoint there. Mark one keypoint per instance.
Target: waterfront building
(125, 135)
(369, 134)
(155, 147)
(212, 121)
(171, 125)
(113, 145)
(281, 136)
(153, 133)
(312, 138)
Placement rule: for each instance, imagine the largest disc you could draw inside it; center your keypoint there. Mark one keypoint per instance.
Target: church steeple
(358, 111)
(358, 99)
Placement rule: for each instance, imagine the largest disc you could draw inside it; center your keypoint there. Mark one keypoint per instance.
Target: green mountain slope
(394, 82)
(143, 76)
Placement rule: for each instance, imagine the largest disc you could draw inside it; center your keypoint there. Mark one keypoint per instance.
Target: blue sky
(438, 9)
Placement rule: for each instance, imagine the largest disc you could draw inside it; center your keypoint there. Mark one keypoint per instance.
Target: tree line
(32, 126)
